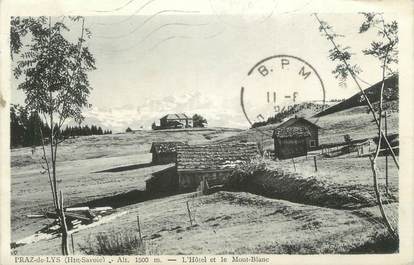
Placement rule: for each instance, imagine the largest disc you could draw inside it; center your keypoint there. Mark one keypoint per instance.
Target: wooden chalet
(313, 141)
(210, 162)
(291, 142)
(164, 152)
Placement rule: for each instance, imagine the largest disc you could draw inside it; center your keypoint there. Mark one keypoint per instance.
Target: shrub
(114, 243)
(238, 179)
(259, 178)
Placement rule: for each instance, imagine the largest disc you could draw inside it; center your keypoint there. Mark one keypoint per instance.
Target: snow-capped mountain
(219, 112)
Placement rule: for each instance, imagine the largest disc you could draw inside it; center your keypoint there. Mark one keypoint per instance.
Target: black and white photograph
(233, 130)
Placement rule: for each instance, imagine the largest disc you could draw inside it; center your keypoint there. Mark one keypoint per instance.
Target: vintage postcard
(206, 132)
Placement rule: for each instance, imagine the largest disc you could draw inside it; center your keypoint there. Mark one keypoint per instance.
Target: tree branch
(361, 90)
(79, 62)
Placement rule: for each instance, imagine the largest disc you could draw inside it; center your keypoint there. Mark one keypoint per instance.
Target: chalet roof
(165, 147)
(292, 122)
(214, 157)
(176, 116)
(291, 132)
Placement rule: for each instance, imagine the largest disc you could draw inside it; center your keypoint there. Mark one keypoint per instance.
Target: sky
(159, 59)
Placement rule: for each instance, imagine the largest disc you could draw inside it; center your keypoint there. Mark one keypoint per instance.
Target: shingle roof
(291, 132)
(291, 122)
(214, 157)
(165, 147)
(176, 116)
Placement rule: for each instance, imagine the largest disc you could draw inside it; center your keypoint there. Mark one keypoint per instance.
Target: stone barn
(164, 152)
(313, 140)
(211, 162)
(291, 142)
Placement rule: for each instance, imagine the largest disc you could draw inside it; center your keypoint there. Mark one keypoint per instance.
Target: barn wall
(163, 181)
(164, 158)
(314, 136)
(291, 147)
(313, 131)
(191, 180)
(163, 122)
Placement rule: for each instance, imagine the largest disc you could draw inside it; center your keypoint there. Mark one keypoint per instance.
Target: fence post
(203, 187)
(314, 162)
(189, 213)
(294, 166)
(139, 229)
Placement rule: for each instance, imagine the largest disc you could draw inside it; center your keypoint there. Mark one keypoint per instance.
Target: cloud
(219, 112)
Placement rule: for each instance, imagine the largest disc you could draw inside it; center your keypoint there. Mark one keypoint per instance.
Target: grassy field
(111, 169)
(326, 188)
(232, 223)
(344, 170)
(80, 165)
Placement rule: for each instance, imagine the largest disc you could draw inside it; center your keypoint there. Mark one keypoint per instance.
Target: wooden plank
(105, 208)
(72, 209)
(35, 216)
(78, 216)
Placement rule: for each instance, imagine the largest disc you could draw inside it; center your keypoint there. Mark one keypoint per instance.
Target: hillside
(305, 110)
(355, 121)
(116, 166)
(373, 93)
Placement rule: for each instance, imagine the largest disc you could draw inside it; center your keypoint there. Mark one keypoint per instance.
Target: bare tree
(55, 82)
(386, 51)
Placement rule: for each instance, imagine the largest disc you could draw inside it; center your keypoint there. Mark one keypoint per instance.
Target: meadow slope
(81, 166)
(232, 223)
(111, 170)
(356, 122)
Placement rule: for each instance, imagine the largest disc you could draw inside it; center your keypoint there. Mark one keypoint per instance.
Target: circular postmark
(281, 84)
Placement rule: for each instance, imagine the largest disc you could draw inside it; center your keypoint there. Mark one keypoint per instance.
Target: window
(312, 143)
